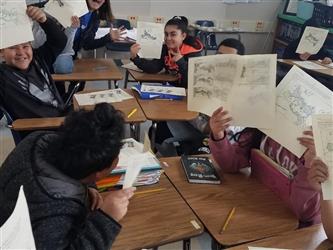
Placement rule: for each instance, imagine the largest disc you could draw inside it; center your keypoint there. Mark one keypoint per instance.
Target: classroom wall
(221, 13)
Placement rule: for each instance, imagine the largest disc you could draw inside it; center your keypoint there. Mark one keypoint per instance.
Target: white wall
(222, 14)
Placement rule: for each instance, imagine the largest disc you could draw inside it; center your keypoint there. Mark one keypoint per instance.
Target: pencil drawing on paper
(312, 39)
(10, 15)
(148, 35)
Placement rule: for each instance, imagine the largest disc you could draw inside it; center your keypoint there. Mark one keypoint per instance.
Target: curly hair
(89, 141)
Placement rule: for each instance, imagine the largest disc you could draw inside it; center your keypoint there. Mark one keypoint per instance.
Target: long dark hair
(104, 12)
(181, 23)
(254, 134)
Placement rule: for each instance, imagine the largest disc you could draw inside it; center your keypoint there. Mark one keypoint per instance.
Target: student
(27, 89)
(55, 169)
(177, 49)
(318, 173)
(192, 134)
(299, 196)
(290, 51)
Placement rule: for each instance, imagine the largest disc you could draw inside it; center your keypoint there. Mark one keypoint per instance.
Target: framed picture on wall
(290, 7)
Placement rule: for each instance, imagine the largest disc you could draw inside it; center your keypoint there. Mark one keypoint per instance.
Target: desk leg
(135, 131)
(109, 84)
(116, 84)
(187, 244)
(216, 245)
(153, 134)
(126, 79)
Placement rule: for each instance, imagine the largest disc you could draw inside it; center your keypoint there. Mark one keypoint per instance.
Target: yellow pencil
(150, 191)
(132, 112)
(231, 213)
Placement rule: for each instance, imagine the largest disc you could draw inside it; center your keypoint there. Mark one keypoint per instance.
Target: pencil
(132, 112)
(231, 213)
(150, 191)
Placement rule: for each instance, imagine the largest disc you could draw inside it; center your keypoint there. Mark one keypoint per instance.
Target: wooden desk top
(145, 77)
(166, 110)
(156, 219)
(91, 69)
(37, 123)
(259, 213)
(308, 238)
(326, 72)
(125, 106)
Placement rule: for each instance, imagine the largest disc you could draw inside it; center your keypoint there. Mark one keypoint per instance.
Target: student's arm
(183, 68)
(324, 55)
(149, 66)
(230, 157)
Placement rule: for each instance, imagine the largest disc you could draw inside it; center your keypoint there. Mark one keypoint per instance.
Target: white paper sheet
(16, 233)
(101, 32)
(131, 66)
(244, 85)
(69, 8)
(312, 40)
(322, 126)
(309, 65)
(298, 97)
(163, 90)
(109, 96)
(15, 25)
(150, 36)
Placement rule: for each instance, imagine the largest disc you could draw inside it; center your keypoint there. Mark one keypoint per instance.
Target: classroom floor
(202, 242)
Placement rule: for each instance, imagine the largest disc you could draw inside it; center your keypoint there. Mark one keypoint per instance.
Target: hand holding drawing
(135, 48)
(176, 55)
(326, 60)
(317, 174)
(116, 202)
(75, 22)
(36, 14)
(219, 122)
(95, 198)
(305, 56)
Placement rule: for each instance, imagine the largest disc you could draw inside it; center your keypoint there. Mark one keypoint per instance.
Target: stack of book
(133, 154)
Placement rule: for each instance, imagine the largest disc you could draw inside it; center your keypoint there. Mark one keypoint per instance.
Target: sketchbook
(243, 85)
(108, 96)
(312, 40)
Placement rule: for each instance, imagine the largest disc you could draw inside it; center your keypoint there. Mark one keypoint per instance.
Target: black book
(199, 169)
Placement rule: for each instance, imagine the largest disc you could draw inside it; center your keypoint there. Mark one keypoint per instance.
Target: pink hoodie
(299, 196)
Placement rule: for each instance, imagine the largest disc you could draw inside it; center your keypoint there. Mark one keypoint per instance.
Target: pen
(231, 213)
(150, 191)
(132, 113)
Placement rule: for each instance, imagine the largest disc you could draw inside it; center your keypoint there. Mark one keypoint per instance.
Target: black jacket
(16, 99)
(87, 39)
(58, 205)
(180, 68)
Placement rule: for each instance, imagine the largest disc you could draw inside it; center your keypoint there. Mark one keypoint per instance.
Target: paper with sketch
(109, 96)
(131, 66)
(244, 85)
(298, 97)
(178, 91)
(312, 40)
(16, 233)
(63, 10)
(322, 126)
(15, 25)
(309, 65)
(132, 173)
(266, 248)
(150, 36)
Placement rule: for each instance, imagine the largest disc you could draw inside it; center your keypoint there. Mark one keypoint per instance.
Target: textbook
(159, 92)
(199, 169)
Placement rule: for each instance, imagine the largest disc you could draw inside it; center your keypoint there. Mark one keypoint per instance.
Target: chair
(208, 38)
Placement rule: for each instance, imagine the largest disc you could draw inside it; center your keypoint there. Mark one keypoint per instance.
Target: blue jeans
(63, 64)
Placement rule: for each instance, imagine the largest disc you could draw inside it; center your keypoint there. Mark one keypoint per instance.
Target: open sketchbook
(15, 25)
(63, 10)
(312, 40)
(323, 136)
(244, 85)
(16, 233)
(298, 97)
(109, 96)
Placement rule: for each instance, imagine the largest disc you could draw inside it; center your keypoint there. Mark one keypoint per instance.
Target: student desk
(126, 107)
(145, 77)
(259, 213)
(155, 219)
(92, 69)
(165, 110)
(308, 238)
(29, 124)
(328, 72)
